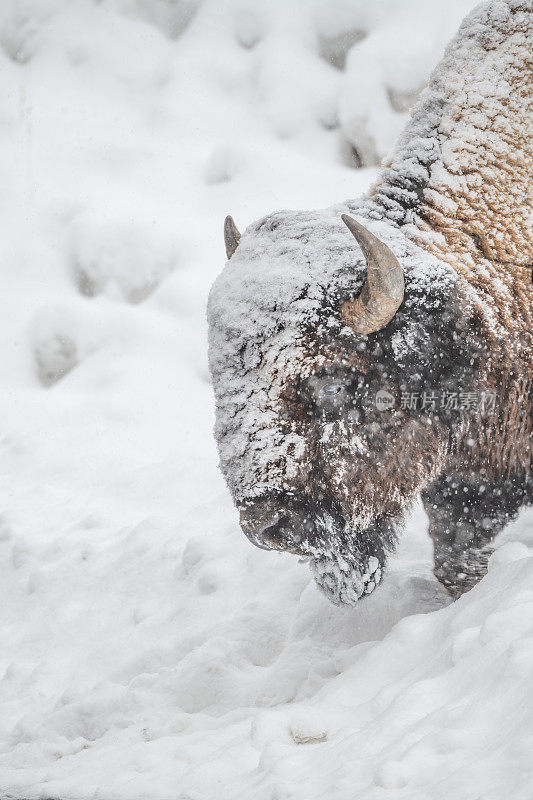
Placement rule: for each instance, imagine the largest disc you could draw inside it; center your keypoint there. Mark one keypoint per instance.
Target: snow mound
(60, 342)
(125, 259)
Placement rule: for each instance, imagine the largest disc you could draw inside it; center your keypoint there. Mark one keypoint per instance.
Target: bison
(379, 350)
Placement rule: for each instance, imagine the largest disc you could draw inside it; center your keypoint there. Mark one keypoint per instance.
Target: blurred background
(146, 649)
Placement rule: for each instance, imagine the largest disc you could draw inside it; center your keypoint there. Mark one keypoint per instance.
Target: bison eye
(328, 394)
(332, 388)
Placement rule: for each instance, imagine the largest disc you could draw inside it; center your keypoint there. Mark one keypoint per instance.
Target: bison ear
(383, 290)
(231, 236)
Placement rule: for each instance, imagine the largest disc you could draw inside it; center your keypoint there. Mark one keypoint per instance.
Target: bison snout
(274, 528)
(271, 535)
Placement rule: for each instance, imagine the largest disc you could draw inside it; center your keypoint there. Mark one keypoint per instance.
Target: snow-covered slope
(147, 650)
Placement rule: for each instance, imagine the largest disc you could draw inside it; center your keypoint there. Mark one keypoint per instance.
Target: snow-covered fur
(301, 432)
(459, 184)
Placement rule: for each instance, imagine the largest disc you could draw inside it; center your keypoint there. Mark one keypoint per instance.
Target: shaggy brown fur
(473, 205)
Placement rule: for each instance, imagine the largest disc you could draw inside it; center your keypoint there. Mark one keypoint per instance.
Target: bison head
(312, 354)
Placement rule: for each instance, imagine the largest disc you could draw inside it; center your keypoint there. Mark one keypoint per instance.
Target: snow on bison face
(319, 451)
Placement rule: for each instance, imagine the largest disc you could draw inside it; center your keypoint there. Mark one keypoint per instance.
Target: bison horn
(382, 293)
(231, 236)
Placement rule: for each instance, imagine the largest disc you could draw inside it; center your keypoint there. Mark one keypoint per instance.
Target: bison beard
(308, 328)
(343, 566)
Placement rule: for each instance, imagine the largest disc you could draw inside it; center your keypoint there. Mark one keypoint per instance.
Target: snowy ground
(147, 650)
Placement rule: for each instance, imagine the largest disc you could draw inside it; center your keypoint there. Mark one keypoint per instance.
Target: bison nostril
(275, 533)
(271, 525)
